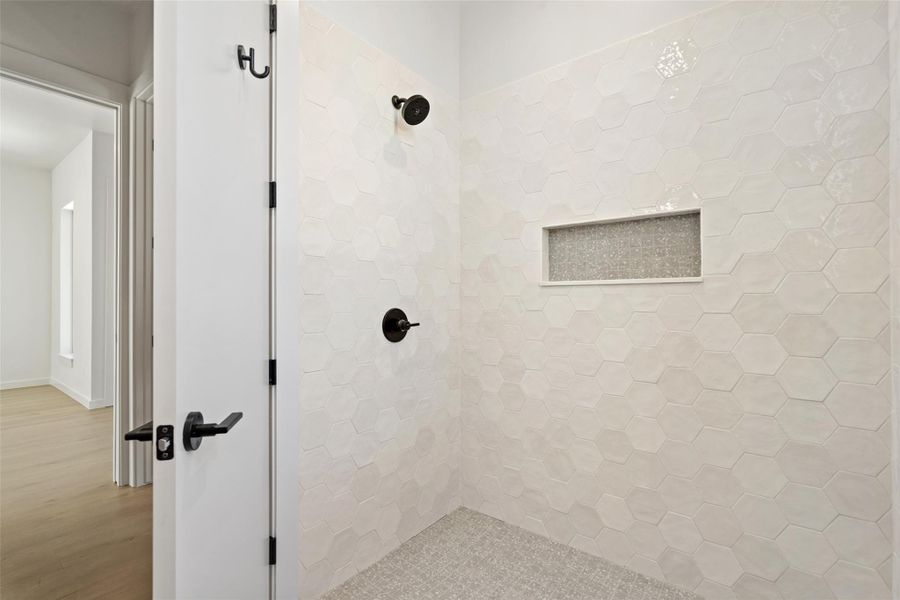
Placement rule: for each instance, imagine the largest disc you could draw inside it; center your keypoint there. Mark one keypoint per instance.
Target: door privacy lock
(164, 436)
(195, 429)
(244, 58)
(395, 325)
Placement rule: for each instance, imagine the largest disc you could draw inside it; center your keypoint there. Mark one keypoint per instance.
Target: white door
(211, 299)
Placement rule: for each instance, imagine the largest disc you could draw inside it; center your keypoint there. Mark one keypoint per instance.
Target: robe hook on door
(244, 58)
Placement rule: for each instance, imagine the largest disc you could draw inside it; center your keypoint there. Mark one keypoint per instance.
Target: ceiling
(38, 128)
(110, 39)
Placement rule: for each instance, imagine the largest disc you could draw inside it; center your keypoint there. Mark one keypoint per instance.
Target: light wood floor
(66, 530)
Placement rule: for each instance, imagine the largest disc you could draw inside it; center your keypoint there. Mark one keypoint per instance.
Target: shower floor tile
(470, 556)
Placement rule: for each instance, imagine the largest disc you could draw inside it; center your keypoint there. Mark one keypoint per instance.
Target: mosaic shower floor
(470, 556)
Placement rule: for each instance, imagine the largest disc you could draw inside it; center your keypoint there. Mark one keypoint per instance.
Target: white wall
(86, 177)
(728, 436)
(421, 35)
(505, 41)
(25, 269)
(102, 269)
(379, 227)
(71, 182)
(142, 43)
(99, 38)
(469, 47)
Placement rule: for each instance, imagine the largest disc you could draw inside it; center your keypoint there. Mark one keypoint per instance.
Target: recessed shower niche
(652, 248)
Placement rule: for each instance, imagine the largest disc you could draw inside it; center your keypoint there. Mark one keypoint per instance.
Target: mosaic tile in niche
(659, 247)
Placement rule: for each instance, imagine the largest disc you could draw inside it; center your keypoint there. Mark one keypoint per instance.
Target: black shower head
(414, 109)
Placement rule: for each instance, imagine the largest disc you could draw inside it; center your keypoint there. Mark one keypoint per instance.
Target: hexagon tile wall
(379, 429)
(728, 436)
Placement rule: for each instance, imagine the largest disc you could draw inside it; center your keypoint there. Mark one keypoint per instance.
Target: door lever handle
(210, 429)
(144, 433)
(195, 429)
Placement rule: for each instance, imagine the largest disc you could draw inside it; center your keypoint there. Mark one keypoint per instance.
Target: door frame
(20, 67)
(138, 457)
(287, 297)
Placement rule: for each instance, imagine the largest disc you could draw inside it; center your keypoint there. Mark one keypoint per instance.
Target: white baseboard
(79, 397)
(23, 383)
(99, 403)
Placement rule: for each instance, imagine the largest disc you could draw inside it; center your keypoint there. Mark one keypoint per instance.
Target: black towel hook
(244, 58)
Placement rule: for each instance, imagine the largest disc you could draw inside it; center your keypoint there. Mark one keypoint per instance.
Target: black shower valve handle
(395, 325)
(404, 325)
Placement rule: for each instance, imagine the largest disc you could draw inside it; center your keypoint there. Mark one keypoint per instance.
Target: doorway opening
(59, 166)
(75, 342)
(59, 177)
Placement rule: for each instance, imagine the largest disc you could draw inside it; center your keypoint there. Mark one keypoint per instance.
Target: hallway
(67, 530)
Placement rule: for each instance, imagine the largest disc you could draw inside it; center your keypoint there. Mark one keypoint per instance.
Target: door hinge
(271, 550)
(271, 194)
(272, 372)
(273, 18)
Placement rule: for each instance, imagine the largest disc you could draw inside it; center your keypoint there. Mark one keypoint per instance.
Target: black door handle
(144, 433)
(195, 429)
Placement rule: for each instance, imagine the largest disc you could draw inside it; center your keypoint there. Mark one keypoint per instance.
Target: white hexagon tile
(738, 426)
(728, 436)
(379, 228)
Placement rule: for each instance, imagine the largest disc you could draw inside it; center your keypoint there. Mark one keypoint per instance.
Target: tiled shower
(654, 284)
